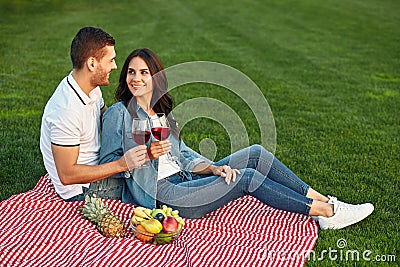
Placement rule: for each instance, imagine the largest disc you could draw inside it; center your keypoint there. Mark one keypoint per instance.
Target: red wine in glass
(141, 133)
(160, 129)
(160, 133)
(141, 137)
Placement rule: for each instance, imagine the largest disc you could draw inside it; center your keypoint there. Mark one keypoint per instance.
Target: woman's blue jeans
(261, 175)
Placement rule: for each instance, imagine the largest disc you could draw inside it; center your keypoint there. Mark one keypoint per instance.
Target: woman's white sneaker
(345, 215)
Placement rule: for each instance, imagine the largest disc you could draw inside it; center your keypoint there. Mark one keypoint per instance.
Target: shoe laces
(335, 202)
(332, 200)
(345, 206)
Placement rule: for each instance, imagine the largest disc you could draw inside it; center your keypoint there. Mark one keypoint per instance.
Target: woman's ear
(90, 63)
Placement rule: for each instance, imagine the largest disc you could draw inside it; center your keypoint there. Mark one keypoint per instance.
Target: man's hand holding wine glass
(135, 157)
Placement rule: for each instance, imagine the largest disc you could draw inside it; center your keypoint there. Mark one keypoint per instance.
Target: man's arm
(69, 172)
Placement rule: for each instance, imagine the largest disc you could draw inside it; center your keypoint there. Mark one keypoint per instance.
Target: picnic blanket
(38, 228)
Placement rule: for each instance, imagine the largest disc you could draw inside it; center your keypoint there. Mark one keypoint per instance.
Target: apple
(170, 225)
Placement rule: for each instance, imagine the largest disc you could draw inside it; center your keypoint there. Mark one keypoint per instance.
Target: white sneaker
(344, 214)
(331, 200)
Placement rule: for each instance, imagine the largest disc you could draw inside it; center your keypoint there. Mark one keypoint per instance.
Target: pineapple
(99, 214)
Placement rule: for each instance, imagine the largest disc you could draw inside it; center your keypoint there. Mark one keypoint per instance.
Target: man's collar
(78, 91)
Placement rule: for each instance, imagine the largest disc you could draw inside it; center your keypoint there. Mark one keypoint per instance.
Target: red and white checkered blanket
(37, 228)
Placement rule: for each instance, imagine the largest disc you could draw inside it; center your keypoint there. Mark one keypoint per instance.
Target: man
(70, 130)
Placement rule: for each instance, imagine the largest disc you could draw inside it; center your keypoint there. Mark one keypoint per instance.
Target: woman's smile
(136, 88)
(139, 77)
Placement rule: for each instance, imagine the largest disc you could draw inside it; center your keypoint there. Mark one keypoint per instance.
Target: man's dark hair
(89, 42)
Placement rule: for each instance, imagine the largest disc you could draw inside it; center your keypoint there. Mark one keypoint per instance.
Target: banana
(136, 219)
(140, 212)
(148, 212)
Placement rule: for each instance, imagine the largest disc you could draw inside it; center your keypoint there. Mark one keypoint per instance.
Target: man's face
(104, 67)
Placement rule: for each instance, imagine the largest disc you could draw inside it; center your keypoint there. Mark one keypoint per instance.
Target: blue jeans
(110, 188)
(261, 175)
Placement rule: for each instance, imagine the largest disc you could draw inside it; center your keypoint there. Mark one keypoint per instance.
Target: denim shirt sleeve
(190, 158)
(111, 136)
(140, 185)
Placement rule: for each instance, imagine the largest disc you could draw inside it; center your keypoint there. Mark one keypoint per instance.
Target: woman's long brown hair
(161, 100)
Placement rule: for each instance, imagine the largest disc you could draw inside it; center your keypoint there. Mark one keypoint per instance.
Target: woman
(194, 185)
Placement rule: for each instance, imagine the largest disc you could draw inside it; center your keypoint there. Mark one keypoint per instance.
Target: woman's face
(138, 78)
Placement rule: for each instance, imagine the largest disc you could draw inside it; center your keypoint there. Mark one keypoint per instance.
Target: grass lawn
(330, 71)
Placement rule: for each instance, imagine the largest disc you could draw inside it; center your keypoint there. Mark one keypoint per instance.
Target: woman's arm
(190, 158)
(224, 171)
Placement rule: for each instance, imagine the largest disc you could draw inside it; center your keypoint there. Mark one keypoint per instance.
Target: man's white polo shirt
(71, 118)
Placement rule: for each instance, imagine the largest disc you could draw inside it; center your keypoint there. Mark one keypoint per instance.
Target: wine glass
(161, 130)
(141, 134)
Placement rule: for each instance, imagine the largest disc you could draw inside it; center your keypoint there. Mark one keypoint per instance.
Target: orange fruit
(142, 234)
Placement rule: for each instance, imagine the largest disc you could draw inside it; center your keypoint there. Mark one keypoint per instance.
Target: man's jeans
(110, 188)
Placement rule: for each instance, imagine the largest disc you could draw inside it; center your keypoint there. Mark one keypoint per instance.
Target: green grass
(329, 69)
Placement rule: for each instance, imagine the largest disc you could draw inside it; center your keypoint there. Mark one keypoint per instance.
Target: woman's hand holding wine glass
(160, 127)
(161, 130)
(159, 148)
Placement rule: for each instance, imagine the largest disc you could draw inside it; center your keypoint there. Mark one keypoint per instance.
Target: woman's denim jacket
(141, 186)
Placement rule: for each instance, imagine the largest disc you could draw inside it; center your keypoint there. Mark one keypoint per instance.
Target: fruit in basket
(170, 225)
(99, 214)
(136, 219)
(142, 212)
(142, 234)
(158, 226)
(167, 210)
(163, 238)
(180, 221)
(175, 213)
(158, 214)
(152, 226)
(159, 217)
